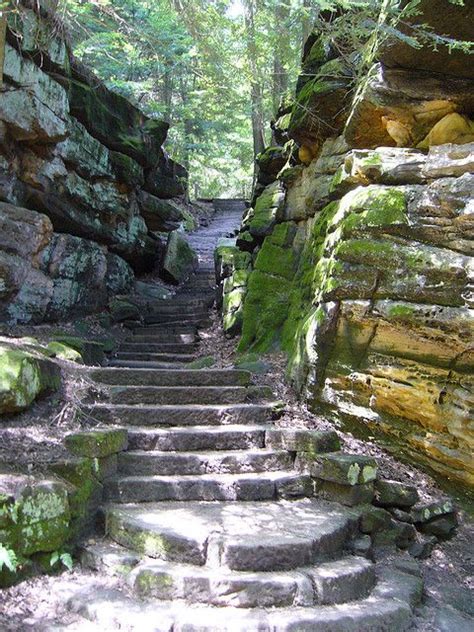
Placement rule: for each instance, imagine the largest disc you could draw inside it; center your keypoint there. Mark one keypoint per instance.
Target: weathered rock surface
(91, 164)
(363, 274)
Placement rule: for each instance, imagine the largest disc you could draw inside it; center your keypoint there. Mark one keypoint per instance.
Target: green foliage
(61, 558)
(8, 559)
(186, 61)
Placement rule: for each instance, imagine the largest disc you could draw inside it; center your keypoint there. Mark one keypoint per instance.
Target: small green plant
(8, 559)
(63, 558)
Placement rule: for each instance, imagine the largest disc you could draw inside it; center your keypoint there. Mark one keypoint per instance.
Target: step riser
(177, 315)
(173, 325)
(143, 364)
(153, 347)
(146, 417)
(198, 440)
(143, 377)
(187, 464)
(238, 592)
(165, 545)
(154, 357)
(154, 489)
(203, 395)
(158, 339)
(257, 590)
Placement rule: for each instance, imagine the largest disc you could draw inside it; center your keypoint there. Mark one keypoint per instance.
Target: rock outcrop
(86, 183)
(361, 256)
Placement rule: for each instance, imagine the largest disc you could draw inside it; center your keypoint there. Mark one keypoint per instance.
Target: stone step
(184, 415)
(260, 486)
(152, 377)
(177, 326)
(183, 306)
(154, 357)
(261, 536)
(114, 610)
(235, 437)
(175, 321)
(145, 364)
(163, 463)
(163, 338)
(334, 582)
(158, 347)
(177, 313)
(205, 395)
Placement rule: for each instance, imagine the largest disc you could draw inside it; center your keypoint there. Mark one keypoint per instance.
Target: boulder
(159, 215)
(268, 210)
(180, 259)
(23, 377)
(97, 443)
(395, 494)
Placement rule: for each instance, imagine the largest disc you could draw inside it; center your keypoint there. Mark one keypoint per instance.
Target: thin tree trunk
(255, 87)
(280, 73)
(3, 32)
(307, 24)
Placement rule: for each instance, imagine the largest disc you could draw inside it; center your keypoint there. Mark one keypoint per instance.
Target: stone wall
(89, 194)
(361, 250)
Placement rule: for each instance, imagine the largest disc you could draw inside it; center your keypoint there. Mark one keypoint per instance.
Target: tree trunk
(255, 86)
(281, 53)
(307, 25)
(3, 32)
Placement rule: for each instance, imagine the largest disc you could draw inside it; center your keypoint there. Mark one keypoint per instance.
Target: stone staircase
(207, 519)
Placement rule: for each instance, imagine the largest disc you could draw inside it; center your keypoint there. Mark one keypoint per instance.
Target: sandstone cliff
(87, 193)
(357, 259)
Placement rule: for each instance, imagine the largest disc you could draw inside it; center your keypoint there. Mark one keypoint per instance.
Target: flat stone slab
(246, 487)
(181, 415)
(140, 395)
(97, 443)
(170, 377)
(234, 437)
(166, 463)
(345, 469)
(256, 536)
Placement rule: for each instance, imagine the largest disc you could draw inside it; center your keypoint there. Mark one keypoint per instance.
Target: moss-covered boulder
(180, 259)
(23, 377)
(122, 310)
(34, 515)
(64, 352)
(268, 210)
(98, 442)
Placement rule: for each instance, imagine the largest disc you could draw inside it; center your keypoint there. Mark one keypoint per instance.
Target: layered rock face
(361, 257)
(85, 181)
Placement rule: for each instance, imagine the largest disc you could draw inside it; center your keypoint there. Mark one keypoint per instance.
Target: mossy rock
(91, 351)
(23, 377)
(180, 259)
(268, 210)
(205, 362)
(252, 362)
(121, 310)
(97, 443)
(64, 352)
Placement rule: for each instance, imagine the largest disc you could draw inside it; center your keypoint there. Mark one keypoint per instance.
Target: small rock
(345, 494)
(345, 469)
(422, 547)
(362, 546)
(374, 519)
(395, 494)
(442, 527)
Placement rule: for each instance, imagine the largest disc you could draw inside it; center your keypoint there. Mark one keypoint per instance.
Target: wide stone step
(173, 377)
(145, 364)
(158, 347)
(183, 306)
(113, 610)
(142, 395)
(176, 326)
(154, 357)
(251, 536)
(264, 486)
(178, 313)
(139, 336)
(197, 438)
(184, 415)
(163, 463)
(334, 582)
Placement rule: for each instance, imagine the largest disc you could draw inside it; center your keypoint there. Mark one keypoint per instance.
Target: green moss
(267, 210)
(97, 443)
(202, 363)
(401, 311)
(376, 207)
(64, 352)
